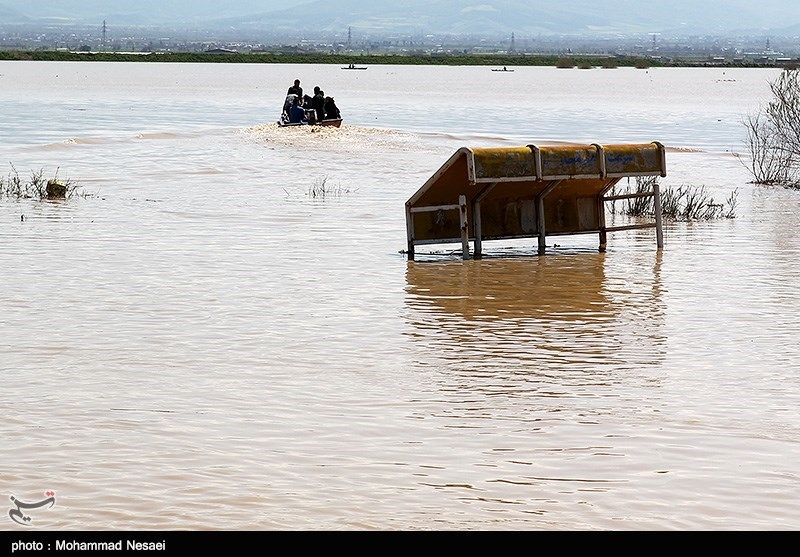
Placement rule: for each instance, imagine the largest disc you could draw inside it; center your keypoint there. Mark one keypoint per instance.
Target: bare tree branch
(773, 134)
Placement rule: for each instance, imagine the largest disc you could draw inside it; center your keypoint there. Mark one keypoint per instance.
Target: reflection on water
(569, 317)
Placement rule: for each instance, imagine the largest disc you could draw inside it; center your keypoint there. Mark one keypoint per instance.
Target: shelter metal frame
(530, 192)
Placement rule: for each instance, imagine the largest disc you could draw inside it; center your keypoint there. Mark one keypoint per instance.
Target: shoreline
(581, 61)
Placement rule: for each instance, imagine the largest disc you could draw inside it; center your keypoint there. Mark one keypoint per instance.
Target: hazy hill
(471, 17)
(533, 18)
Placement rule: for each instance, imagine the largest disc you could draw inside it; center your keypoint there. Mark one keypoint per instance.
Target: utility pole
(349, 39)
(654, 46)
(511, 48)
(104, 35)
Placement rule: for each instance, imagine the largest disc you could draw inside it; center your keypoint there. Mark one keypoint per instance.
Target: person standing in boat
(296, 89)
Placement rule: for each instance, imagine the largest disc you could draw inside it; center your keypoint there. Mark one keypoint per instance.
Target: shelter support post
(410, 233)
(540, 216)
(540, 222)
(601, 213)
(601, 218)
(476, 218)
(657, 210)
(462, 204)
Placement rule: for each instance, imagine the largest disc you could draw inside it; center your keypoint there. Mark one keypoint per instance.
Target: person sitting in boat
(287, 104)
(297, 115)
(318, 103)
(331, 110)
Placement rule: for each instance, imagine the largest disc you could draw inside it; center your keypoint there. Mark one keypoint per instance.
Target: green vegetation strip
(339, 59)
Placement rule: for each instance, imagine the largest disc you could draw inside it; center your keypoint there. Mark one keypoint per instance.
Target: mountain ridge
(415, 17)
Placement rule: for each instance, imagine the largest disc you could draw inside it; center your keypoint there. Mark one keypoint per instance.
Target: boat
(503, 69)
(335, 122)
(354, 67)
(310, 118)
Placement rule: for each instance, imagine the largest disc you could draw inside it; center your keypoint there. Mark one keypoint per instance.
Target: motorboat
(335, 122)
(310, 118)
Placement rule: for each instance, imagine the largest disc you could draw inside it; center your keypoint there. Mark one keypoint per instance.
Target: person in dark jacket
(331, 110)
(296, 89)
(318, 104)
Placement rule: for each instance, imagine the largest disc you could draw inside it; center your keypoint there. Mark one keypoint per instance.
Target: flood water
(203, 341)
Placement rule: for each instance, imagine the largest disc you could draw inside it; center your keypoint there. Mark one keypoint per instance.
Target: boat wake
(68, 143)
(74, 142)
(347, 137)
(366, 139)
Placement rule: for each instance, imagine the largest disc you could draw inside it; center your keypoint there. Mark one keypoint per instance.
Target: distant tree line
(434, 59)
(321, 58)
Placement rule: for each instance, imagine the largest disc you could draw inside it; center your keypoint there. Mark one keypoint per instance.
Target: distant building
(221, 51)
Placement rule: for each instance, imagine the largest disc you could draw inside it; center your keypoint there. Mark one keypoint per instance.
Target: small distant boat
(354, 67)
(503, 69)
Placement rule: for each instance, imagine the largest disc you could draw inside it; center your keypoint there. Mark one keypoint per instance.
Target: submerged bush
(684, 203)
(36, 187)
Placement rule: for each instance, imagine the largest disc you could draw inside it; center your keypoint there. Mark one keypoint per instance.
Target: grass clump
(322, 189)
(36, 187)
(684, 203)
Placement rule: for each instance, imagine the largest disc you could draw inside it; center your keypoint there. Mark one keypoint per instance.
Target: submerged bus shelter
(529, 192)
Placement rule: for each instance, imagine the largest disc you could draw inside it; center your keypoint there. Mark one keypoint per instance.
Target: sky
(528, 15)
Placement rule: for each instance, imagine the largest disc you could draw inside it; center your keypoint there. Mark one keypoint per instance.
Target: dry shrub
(684, 203)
